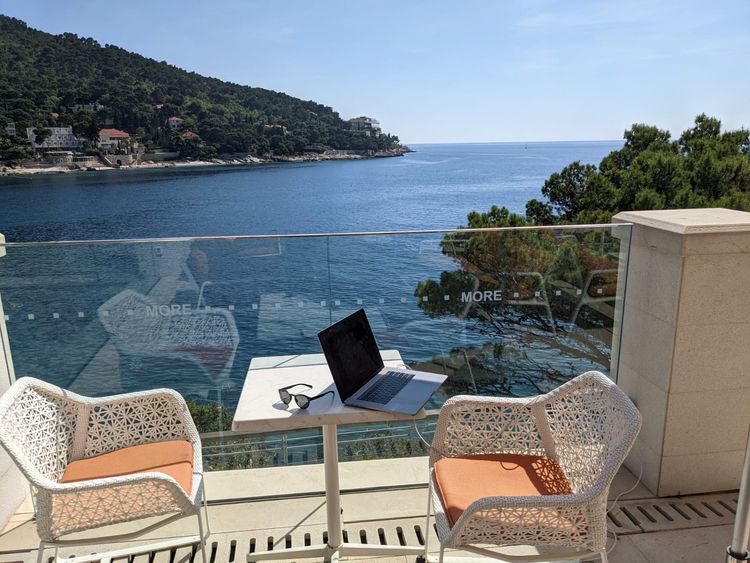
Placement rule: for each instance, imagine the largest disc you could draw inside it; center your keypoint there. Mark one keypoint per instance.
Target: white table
(260, 410)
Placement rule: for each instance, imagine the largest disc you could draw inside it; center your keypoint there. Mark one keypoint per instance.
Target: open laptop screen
(351, 352)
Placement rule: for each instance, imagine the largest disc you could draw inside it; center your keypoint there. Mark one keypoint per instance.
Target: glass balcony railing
(500, 311)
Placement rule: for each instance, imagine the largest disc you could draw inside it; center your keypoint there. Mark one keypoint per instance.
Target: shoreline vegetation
(224, 160)
(706, 166)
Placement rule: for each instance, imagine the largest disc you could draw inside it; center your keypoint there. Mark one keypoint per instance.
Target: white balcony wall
(685, 348)
(13, 485)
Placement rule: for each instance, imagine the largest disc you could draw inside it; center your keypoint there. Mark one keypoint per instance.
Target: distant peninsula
(71, 103)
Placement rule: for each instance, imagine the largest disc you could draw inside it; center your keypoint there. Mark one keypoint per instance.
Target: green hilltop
(65, 80)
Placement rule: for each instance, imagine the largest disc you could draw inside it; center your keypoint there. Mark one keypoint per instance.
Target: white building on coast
(367, 124)
(58, 138)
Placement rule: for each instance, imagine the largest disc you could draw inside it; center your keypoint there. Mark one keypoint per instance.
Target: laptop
(360, 376)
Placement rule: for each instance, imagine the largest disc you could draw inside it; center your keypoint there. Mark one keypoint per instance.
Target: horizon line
(512, 142)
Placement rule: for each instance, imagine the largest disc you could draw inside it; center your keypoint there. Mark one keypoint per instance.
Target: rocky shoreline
(225, 160)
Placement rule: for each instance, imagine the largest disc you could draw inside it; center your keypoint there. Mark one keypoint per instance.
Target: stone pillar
(13, 485)
(685, 348)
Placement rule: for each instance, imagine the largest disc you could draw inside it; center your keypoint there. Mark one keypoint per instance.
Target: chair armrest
(576, 520)
(65, 508)
(138, 418)
(469, 425)
(543, 501)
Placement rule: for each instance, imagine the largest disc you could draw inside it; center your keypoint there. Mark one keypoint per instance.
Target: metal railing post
(738, 550)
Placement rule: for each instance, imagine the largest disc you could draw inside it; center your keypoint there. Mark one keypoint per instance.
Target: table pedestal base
(333, 520)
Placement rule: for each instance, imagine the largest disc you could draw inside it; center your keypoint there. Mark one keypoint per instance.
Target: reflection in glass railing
(501, 312)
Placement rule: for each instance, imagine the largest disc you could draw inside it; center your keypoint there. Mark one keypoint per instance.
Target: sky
(451, 71)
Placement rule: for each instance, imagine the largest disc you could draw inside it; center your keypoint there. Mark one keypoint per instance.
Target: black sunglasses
(303, 401)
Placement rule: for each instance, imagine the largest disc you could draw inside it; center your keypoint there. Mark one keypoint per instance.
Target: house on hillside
(113, 140)
(175, 123)
(87, 108)
(10, 129)
(275, 128)
(368, 125)
(118, 148)
(59, 138)
(190, 135)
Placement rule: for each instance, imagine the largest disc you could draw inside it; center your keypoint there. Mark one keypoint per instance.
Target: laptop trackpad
(416, 392)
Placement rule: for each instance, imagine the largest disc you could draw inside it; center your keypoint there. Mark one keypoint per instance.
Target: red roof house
(113, 134)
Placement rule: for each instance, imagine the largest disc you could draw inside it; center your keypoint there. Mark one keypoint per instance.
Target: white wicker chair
(586, 426)
(44, 428)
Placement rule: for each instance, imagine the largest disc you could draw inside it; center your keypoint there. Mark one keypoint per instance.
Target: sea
(434, 187)
(105, 318)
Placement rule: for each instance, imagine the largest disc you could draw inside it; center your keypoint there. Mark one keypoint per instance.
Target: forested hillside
(43, 78)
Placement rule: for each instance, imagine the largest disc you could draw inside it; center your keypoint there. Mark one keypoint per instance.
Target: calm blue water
(72, 319)
(432, 188)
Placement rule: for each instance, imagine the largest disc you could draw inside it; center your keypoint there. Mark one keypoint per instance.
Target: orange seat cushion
(173, 458)
(463, 480)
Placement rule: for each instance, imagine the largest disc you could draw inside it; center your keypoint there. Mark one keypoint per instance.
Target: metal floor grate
(234, 547)
(663, 514)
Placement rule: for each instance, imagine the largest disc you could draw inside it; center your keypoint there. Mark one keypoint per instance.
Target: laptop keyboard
(389, 385)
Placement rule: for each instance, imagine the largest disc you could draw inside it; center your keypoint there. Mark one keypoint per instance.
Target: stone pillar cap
(689, 221)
